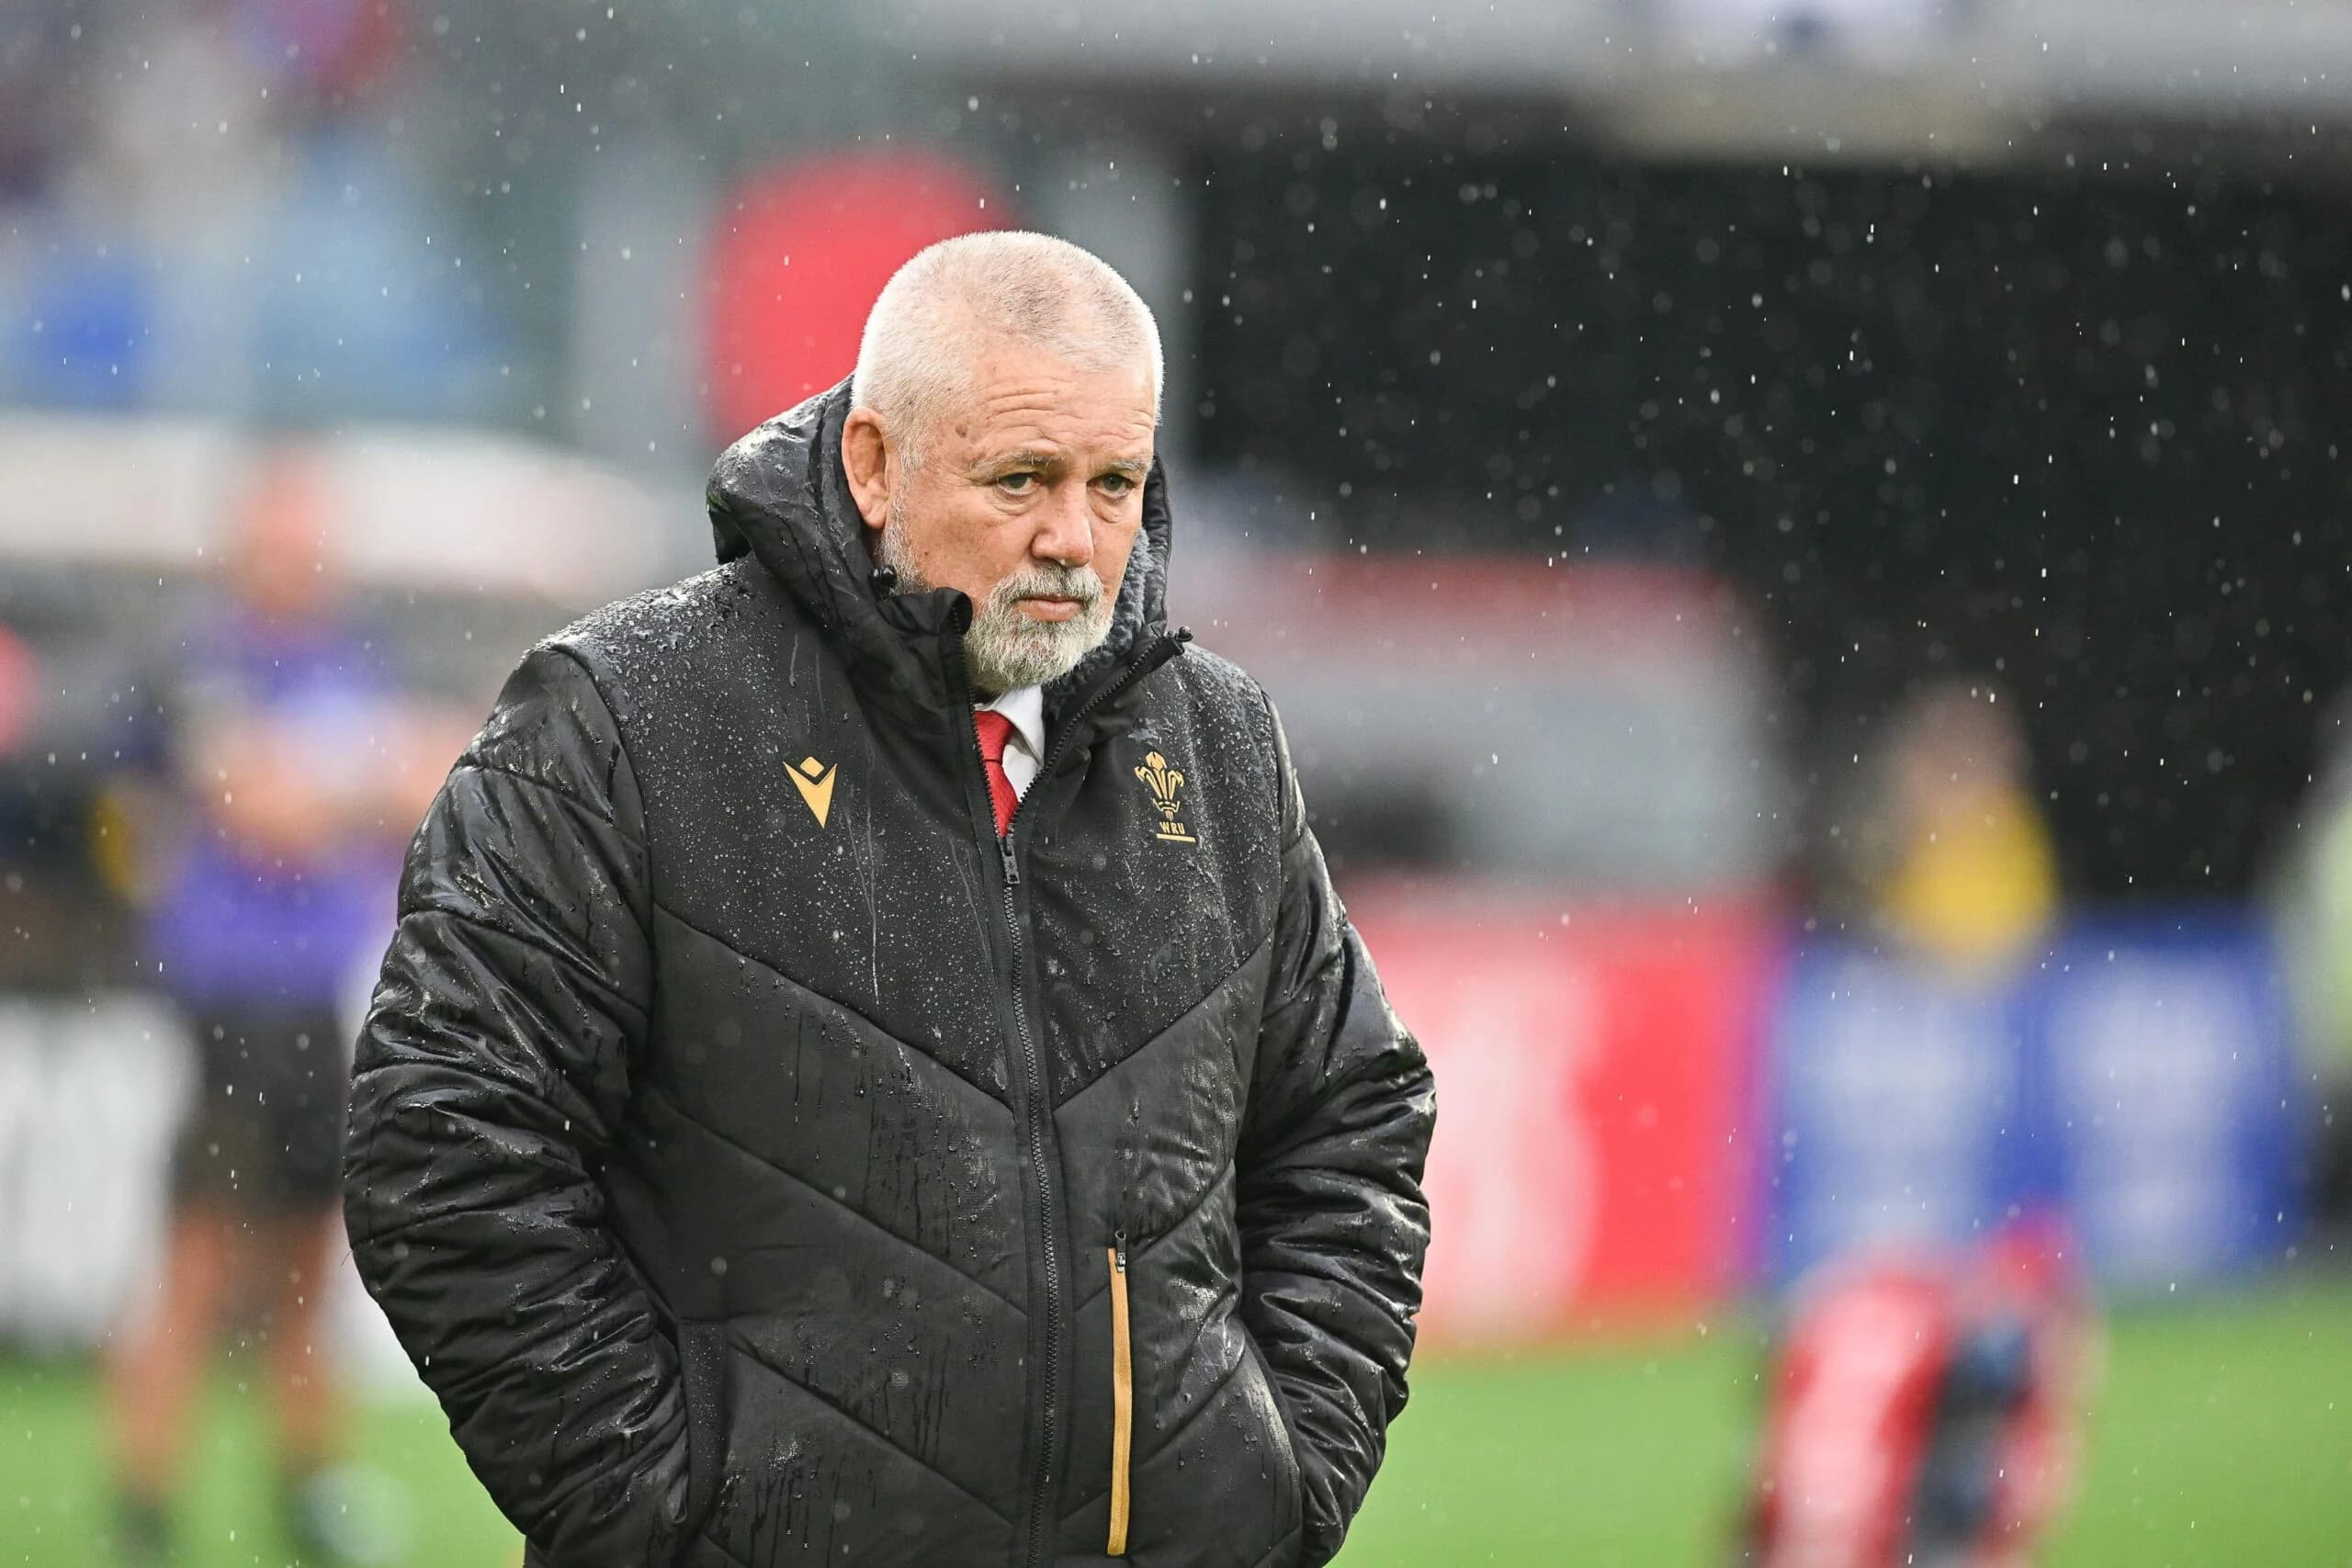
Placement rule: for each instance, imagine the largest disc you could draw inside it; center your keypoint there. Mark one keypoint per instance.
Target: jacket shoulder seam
(482, 763)
(537, 944)
(620, 744)
(1281, 771)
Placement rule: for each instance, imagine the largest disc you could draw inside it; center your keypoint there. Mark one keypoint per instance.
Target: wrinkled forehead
(1015, 392)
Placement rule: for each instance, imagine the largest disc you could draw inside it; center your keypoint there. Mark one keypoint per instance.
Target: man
(277, 749)
(805, 1119)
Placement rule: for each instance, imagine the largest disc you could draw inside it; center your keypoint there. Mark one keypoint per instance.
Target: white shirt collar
(1025, 706)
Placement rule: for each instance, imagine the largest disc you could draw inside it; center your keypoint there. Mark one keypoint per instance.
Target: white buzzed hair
(915, 358)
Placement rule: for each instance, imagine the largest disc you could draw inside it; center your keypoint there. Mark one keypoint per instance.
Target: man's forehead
(1002, 365)
(1058, 411)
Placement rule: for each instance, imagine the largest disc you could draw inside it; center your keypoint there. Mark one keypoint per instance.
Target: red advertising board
(800, 252)
(1593, 1069)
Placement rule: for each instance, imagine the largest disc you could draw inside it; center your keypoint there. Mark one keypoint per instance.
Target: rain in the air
(945, 784)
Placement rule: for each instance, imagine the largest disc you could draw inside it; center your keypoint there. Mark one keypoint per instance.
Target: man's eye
(1117, 484)
(1017, 484)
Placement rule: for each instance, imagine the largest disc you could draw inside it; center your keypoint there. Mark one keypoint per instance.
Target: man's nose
(1066, 533)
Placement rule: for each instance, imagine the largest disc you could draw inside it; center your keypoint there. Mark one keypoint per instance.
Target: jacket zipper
(1034, 1092)
(1034, 1077)
(1123, 1397)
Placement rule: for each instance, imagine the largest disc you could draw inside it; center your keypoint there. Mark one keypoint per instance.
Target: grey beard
(1003, 648)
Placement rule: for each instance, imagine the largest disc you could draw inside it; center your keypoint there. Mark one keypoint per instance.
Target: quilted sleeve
(1334, 1226)
(492, 1065)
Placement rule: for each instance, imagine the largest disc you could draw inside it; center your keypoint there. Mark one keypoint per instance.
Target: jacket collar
(780, 495)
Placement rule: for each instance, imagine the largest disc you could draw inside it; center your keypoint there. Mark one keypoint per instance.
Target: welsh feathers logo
(815, 782)
(1166, 785)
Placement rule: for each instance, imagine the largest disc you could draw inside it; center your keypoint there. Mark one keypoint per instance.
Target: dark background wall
(2076, 431)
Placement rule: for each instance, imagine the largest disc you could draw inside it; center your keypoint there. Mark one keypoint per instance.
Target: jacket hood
(780, 495)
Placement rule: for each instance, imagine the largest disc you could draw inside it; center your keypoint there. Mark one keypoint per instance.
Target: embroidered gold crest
(1165, 784)
(815, 782)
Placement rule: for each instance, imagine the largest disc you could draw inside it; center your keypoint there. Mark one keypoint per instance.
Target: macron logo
(815, 782)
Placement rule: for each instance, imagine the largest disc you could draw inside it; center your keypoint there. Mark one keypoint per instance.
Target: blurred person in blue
(282, 760)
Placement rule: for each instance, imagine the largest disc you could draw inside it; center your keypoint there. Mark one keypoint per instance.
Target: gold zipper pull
(1121, 1396)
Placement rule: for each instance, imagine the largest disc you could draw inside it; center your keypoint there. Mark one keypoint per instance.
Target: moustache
(1046, 581)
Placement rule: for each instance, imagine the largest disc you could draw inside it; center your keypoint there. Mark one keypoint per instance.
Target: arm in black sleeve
(490, 1073)
(1333, 1223)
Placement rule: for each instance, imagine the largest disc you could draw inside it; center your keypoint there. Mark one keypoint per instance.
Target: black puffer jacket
(747, 1159)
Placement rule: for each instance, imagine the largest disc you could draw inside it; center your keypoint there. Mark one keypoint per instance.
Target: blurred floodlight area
(1804, 547)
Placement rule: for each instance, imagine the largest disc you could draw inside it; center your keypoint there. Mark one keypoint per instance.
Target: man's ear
(865, 463)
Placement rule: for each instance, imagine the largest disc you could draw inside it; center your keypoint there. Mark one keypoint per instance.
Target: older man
(872, 1068)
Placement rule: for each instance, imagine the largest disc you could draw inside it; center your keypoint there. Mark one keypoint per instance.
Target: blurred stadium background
(1847, 494)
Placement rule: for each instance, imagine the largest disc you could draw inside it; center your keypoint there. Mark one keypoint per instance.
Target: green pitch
(2222, 1436)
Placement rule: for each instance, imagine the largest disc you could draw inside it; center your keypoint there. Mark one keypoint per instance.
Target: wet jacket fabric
(750, 1147)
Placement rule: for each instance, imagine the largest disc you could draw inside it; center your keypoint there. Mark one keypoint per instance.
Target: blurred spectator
(1926, 1408)
(1948, 853)
(2313, 899)
(285, 768)
(231, 220)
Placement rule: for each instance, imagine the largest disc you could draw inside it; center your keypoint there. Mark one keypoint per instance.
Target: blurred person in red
(287, 773)
(1925, 1408)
